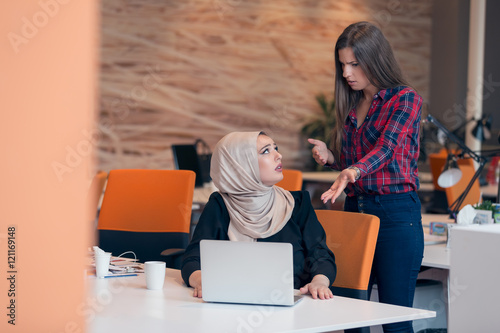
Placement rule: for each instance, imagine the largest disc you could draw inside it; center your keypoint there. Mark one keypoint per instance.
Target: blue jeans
(399, 250)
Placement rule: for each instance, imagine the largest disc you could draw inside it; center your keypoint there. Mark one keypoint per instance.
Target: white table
(436, 256)
(474, 272)
(434, 239)
(471, 276)
(125, 305)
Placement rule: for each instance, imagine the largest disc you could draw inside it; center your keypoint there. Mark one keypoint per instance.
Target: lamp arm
(455, 206)
(490, 153)
(476, 157)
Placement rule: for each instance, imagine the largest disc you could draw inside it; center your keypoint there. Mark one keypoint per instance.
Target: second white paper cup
(155, 274)
(102, 264)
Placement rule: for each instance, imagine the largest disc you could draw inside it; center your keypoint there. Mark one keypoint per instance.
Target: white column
(475, 80)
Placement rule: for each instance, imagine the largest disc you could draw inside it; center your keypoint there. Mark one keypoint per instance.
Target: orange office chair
(146, 211)
(437, 162)
(439, 202)
(352, 238)
(453, 192)
(292, 180)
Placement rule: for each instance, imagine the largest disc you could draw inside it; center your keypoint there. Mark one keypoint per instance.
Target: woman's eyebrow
(265, 146)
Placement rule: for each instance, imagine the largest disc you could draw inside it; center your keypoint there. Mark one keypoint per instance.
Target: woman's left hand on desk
(318, 288)
(195, 282)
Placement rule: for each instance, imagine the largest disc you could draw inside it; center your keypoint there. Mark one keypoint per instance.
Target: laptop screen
(247, 272)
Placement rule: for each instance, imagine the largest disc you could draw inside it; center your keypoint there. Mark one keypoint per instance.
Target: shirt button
(361, 211)
(360, 197)
(361, 205)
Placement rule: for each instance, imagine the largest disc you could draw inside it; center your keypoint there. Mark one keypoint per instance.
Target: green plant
(486, 205)
(319, 126)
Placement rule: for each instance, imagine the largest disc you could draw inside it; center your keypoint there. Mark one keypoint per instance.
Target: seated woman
(248, 207)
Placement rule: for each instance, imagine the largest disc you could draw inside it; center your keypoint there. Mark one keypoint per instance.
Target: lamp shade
(451, 173)
(482, 129)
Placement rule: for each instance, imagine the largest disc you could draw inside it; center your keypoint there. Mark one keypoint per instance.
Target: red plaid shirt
(386, 146)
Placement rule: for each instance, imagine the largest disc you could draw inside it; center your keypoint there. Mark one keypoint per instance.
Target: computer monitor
(186, 158)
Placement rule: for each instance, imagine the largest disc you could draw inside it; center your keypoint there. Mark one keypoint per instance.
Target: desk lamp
(450, 176)
(482, 130)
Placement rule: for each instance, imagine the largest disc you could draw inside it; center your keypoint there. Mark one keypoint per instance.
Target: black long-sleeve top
(311, 256)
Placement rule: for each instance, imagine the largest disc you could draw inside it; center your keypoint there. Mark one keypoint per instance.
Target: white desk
(436, 255)
(125, 305)
(471, 276)
(474, 272)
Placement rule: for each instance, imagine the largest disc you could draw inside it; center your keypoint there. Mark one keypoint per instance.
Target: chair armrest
(173, 257)
(172, 252)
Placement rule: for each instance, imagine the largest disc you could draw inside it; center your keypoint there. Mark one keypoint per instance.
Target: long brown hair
(374, 54)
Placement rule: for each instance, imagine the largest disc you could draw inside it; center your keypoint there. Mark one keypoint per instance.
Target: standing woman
(375, 144)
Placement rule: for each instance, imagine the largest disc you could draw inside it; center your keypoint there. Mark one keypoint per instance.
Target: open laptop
(247, 272)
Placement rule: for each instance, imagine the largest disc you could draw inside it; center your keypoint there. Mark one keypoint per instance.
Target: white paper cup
(102, 264)
(155, 274)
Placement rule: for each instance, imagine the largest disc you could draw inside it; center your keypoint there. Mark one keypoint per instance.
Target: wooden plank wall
(173, 71)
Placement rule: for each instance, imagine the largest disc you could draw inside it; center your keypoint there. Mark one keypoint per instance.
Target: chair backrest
(146, 211)
(437, 162)
(95, 192)
(453, 192)
(292, 180)
(352, 237)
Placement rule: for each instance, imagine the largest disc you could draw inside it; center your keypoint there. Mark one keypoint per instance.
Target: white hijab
(255, 210)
